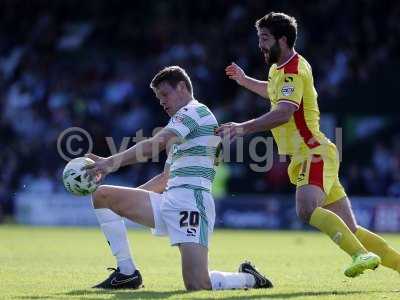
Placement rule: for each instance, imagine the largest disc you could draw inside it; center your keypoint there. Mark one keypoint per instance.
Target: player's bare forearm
(270, 120)
(137, 153)
(143, 150)
(280, 115)
(157, 184)
(235, 72)
(256, 86)
(265, 122)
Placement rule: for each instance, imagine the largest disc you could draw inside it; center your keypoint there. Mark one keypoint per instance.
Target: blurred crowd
(379, 176)
(89, 63)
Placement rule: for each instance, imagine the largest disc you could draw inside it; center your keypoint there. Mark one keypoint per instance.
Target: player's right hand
(234, 72)
(230, 131)
(99, 169)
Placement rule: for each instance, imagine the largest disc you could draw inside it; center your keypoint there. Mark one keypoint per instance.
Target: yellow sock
(331, 224)
(374, 243)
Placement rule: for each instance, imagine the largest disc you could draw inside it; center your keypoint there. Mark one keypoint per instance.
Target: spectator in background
(374, 185)
(382, 160)
(394, 187)
(354, 183)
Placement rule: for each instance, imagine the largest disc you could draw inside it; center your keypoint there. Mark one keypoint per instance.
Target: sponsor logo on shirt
(288, 79)
(287, 90)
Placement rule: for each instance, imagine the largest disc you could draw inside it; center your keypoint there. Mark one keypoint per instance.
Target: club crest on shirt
(287, 90)
(178, 118)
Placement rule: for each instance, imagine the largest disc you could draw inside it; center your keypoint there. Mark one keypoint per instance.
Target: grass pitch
(62, 263)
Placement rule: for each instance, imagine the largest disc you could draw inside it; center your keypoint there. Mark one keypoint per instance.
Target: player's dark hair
(172, 75)
(280, 24)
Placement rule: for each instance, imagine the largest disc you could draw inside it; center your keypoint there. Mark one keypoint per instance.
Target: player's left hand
(230, 131)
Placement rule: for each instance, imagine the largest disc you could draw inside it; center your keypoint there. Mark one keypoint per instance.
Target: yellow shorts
(321, 170)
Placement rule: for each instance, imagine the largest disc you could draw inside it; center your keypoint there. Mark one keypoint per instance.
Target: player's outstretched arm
(234, 72)
(140, 152)
(158, 183)
(272, 119)
(145, 149)
(267, 121)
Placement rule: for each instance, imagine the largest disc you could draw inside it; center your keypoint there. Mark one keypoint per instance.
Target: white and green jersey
(192, 160)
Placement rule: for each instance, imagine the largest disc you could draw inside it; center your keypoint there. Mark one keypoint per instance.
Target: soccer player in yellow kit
(314, 165)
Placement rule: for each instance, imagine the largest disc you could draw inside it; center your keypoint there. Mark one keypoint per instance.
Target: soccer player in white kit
(177, 202)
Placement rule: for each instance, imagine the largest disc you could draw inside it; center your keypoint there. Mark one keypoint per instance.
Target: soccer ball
(74, 180)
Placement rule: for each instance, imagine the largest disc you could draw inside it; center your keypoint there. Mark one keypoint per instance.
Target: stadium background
(89, 63)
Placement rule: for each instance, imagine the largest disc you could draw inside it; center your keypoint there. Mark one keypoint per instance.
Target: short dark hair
(280, 24)
(172, 75)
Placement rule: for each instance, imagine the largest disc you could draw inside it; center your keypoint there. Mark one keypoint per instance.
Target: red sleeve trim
(291, 102)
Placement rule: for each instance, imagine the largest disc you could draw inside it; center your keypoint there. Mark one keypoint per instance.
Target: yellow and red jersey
(293, 82)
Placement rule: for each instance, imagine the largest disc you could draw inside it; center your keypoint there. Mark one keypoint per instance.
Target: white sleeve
(169, 157)
(182, 124)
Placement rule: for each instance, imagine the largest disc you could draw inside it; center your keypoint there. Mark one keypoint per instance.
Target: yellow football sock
(331, 224)
(374, 243)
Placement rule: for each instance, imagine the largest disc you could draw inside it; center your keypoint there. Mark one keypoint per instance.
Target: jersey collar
(287, 61)
(184, 108)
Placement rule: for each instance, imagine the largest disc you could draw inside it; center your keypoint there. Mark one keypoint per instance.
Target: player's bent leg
(376, 244)
(194, 259)
(197, 277)
(325, 220)
(261, 281)
(247, 277)
(110, 203)
(343, 209)
(371, 241)
(308, 198)
(131, 203)
(332, 225)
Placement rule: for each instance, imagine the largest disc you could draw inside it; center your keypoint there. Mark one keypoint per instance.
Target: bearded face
(269, 46)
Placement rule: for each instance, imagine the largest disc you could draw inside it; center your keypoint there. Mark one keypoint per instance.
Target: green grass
(62, 263)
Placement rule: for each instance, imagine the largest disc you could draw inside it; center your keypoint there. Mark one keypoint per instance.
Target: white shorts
(185, 215)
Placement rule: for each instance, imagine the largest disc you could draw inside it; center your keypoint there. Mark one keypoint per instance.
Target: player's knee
(205, 283)
(101, 197)
(191, 286)
(194, 282)
(304, 215)
(305, 211)
(198, 285)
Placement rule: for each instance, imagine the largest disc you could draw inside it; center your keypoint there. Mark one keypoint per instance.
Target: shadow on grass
(269, 294)
(129, 294)
(125, 294)
(31, 297)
